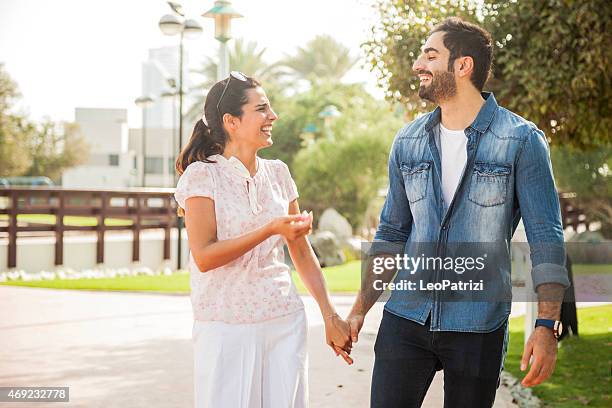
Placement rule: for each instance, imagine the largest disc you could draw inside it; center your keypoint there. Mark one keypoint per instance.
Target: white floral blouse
(256, 286)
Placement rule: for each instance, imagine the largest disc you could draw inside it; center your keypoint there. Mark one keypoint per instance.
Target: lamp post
(222, 13)
(173, 24)
(329, 113)
(308, 134)
(143, 103)
(171, 93)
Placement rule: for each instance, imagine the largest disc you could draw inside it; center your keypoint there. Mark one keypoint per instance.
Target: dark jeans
(407, 355)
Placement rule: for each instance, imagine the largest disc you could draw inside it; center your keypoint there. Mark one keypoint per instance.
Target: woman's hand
(338, 336)
(293, 226)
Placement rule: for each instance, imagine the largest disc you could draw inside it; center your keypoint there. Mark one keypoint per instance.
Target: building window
(171, 166)
(113, 160)
(154, 165)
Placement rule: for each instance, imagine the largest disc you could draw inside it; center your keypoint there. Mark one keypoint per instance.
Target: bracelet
(331, 316)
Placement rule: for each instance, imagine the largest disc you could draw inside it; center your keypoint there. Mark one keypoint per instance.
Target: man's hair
(465, 39)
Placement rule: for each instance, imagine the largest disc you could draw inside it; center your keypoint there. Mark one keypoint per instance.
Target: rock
(352, 247)
(332, 221)
(327, 248)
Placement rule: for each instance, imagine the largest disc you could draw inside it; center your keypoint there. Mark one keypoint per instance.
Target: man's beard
(442, 86)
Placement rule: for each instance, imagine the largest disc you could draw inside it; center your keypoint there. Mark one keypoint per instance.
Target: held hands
(542, 345)
(293, 226)
(337, 336)
(355, 322)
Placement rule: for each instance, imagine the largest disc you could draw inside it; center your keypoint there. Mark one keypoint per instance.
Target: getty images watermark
(432, 264)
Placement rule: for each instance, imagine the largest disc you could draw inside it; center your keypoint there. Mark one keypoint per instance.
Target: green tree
(323, 59)
(553, 66)
(588, 174)
(551, 62)
(244, 56)
(54, 148)
(298, 111)
(345, 172)
(13, 154)
(30, 149)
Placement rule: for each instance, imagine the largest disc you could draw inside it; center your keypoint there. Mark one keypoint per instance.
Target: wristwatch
(554, 325)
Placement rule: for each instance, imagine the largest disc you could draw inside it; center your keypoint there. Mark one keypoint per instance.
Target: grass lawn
(592, 269)
(340, 279)
(68, 220)
(582, 376)
(177, 283)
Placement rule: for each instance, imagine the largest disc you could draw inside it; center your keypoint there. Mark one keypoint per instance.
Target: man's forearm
(368, 294)
(550, 298)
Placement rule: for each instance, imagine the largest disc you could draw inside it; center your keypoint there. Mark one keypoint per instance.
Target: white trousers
(256, 365)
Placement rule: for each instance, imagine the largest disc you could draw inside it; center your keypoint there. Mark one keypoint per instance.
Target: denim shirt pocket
(489, 184)
(415, 179)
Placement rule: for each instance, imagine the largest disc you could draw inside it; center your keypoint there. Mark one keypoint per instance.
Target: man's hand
(542, 345)
(355, 322)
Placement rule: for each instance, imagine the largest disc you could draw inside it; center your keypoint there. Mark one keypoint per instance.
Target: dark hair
(209, 139)
(464, 39)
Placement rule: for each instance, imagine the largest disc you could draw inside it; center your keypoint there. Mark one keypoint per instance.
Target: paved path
(134, 350)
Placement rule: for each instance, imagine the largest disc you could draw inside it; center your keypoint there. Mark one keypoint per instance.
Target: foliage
(30, 149)
(551, 62)
(12, 149)
(553, 66)
(323, 59)
(347, 165)
(588, 174)
(55, 147)
(244, 56)
(299, 110)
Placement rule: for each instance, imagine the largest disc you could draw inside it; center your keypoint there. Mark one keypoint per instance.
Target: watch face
(558, 328)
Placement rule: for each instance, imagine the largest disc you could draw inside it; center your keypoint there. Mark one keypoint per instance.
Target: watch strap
(546, 323)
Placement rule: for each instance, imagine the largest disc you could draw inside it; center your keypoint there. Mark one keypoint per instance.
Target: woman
(250, 327)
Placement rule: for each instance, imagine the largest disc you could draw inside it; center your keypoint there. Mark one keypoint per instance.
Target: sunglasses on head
(236, 75)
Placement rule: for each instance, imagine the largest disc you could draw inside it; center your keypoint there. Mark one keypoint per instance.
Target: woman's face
(254, 128)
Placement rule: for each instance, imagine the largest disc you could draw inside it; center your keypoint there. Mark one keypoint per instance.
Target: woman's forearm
(220, 253)
(308, 268)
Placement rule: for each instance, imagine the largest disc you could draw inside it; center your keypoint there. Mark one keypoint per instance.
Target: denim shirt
(508, 175)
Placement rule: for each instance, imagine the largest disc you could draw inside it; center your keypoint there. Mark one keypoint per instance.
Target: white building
(111, 163)
(116, 155)
(159, 72)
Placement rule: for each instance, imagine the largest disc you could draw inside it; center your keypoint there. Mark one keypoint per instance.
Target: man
(464, 173)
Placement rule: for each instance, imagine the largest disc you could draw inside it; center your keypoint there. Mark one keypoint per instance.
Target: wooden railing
(142, 208)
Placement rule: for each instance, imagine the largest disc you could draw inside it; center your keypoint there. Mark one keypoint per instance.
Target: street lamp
(222, 13)
(171, 93)
(143, 103)
(329, 113)
(308, 134)
(173, 24)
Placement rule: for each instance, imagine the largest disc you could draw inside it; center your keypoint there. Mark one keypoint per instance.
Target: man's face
(437, 82)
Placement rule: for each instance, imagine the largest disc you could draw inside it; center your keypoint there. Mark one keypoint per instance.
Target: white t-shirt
(453, 156)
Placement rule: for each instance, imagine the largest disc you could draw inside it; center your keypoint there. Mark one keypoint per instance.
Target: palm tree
(244, 56)
(322, 59)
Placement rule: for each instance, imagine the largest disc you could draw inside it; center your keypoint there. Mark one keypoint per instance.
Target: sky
(84, 53)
